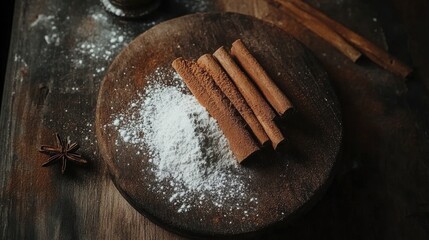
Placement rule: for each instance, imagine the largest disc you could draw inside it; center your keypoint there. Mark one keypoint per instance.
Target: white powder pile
(189, 154)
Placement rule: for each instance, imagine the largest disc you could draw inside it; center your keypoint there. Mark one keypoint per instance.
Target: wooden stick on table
(369, 49)
(319, 28)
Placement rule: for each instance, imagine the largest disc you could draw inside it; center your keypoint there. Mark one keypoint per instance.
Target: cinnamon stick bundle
(372, 51)
(317, 27)
(257, 103)
(267, 86)
(209, 95)
(209, 63)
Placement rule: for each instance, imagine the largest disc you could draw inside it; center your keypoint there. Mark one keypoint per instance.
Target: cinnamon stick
(319, 28)
(209, 63)
(372, 51)
(257, 103)
(209, 95)
(267, 86)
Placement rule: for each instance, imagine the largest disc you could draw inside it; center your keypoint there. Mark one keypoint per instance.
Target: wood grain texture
(283, 184)
(380, 192)
(383, 177)
(372, 51)
(410, 20)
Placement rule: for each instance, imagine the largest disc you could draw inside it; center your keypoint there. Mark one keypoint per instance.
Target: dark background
(7, 13)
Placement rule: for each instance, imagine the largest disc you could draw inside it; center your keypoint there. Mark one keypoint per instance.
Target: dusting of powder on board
(188, 152)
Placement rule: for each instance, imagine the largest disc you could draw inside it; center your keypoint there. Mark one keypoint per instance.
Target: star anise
(63, 152)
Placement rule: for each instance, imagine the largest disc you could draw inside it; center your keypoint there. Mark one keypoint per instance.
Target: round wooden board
(284, 183)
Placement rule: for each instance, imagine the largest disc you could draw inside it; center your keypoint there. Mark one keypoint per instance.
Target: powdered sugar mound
(188, 153)
(167, 113)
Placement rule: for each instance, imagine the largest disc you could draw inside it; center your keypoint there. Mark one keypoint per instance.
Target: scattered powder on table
(112, 8)
(97, 36)
(48, 23)
(103, 43)
(195, 5)
(188, 152)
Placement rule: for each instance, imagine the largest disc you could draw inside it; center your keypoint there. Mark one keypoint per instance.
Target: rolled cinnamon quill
(209, 95)
(319, 28)
(272, 93)
(257, 103)
(372, 51)
(210, 64)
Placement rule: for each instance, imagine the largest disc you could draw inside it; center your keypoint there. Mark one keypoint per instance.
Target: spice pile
(236, 101)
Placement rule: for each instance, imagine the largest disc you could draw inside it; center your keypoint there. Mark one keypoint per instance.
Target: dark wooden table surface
(61, 49)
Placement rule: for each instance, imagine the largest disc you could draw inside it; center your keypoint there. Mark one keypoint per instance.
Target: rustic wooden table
(60, 51)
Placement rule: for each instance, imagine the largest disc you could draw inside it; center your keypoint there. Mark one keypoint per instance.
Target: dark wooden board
(282, 184)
